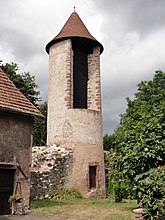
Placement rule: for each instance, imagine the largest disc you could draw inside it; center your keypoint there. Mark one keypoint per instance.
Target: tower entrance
(92, 177)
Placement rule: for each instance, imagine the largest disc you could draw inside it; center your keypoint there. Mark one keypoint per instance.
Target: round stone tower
(74, 104)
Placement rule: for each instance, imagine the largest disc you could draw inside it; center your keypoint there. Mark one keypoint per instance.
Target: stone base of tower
(55, 167)
(80, 130)
(88, 174)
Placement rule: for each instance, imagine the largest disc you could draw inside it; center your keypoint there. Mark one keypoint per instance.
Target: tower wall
(75, 128)
(94, 85)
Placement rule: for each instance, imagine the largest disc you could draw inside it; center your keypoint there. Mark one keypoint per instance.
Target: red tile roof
(11, 99)
(74, 27)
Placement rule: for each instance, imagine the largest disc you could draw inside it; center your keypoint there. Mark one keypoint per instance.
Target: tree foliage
(24, 82)
(150, 187)
(108, 142)
(40, 127)
(140, 137)
(139, 148)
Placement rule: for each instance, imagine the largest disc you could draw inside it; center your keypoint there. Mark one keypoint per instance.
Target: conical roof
(11, 99)
(74, 27)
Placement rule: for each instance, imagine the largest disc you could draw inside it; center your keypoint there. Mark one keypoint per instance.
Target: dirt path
(29, 217)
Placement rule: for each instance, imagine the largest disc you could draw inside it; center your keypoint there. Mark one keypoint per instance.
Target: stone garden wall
(51, 166)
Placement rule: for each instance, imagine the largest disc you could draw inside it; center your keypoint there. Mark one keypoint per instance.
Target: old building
(74, 104)
(16, 122)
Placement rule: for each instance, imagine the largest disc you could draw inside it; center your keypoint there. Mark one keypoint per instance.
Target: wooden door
(6, 189)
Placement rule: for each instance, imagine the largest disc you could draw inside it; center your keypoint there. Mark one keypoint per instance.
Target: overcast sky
(131, 31)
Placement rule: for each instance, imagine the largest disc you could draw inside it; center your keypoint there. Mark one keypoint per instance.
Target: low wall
(51, 166)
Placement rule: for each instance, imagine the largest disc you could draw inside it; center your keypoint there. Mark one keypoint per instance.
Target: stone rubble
(50, 168)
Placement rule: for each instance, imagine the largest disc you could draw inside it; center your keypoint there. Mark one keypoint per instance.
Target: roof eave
(54, 41)
(32, 114)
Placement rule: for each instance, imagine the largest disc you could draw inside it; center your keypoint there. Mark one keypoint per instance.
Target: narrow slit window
(92, 176)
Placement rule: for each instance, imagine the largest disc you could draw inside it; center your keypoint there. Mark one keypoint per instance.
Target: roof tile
(11, 99)
(74, 27)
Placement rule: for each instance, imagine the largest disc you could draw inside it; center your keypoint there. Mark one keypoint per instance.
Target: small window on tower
(92, 176)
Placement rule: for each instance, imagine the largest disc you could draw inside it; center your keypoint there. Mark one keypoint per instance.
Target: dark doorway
(6, 189)
(92, 176)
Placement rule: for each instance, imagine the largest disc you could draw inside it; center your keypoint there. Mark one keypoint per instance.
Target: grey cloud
(112, 111)
(22, 44)
(139, 16)
(132, 33)
(114, 103)
(109, 124)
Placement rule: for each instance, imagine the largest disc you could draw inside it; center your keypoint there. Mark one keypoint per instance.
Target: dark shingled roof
(74, 27)
(11, 99)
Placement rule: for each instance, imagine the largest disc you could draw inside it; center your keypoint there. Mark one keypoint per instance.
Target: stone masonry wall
(94, 85)
(50, 169)
(71, 128)
(15, 147)
(59, 85)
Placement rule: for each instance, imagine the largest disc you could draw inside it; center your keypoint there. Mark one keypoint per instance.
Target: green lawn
(85, 209)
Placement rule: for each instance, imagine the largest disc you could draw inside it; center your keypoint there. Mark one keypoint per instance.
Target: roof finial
(74, 8)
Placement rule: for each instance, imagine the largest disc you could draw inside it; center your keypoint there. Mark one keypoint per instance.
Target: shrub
(118, 187)
(118, 184)
(150, 187)
(66, 194)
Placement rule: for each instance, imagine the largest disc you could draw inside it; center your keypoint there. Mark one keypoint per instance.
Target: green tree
(140, 137)
(40, 127)
(140, 145)
(108, 142)
(24, 82)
